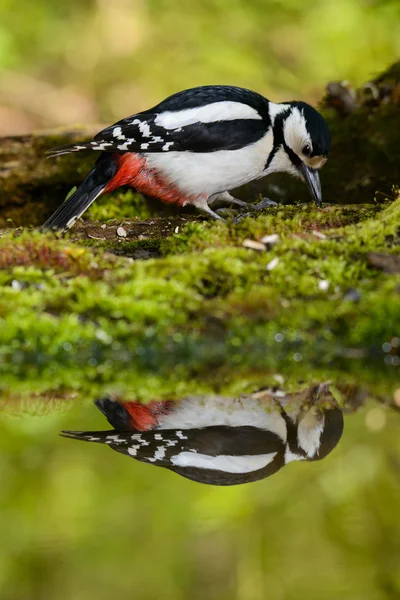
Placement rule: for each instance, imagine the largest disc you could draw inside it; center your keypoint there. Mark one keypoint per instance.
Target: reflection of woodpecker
(220, 441)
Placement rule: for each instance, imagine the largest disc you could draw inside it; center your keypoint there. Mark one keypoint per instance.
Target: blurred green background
(79, 521)
(81, 61)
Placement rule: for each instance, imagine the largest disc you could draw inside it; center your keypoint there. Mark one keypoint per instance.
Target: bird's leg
(227, 198)
(201, 203)
(208, 210)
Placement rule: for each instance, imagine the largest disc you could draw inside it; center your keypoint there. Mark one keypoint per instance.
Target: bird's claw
(264, 203)
(241, 217)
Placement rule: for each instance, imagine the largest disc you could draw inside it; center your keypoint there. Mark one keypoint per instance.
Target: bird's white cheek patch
(309, 433)
(224, 462)
(295, 131)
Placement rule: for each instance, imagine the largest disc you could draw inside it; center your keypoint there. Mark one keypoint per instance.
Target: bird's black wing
(207, 94)
(204, 119)
(141, 134)
(217, 455)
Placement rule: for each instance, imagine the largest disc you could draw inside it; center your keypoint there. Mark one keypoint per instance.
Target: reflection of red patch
(146, 416)
(132, 171)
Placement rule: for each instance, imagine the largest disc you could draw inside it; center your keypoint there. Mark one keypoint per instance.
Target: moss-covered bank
(210, 313)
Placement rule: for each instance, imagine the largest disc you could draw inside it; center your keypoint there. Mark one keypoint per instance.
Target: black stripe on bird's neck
(279, 140)
(292, 439)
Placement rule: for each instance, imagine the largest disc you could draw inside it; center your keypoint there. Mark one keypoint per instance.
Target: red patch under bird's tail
(133, 415)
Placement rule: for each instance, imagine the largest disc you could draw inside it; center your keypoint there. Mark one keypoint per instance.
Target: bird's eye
(306, 150)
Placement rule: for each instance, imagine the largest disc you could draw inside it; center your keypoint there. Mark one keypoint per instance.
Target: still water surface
(79, 520)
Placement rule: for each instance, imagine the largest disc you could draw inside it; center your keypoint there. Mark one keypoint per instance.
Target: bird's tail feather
(67, 148)
(91, 436)
(67, 214)
(115, 413)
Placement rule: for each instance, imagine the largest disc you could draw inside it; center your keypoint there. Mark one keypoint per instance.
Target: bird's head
(319, 431)
(314, 433)
(303, 143)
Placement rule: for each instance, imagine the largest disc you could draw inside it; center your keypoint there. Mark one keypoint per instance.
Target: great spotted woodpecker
(219, 441)
(198, 144)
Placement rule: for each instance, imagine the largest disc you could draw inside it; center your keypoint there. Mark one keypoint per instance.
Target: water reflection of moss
(205, 314)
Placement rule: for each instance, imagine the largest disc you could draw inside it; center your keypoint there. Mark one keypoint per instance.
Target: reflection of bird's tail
(128, 416)
(115, 413)
(88, 436)
(67, 214)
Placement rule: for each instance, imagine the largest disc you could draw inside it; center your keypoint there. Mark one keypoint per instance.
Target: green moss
(284, 220)
(121, 205)
(209, 314)
(135, 248)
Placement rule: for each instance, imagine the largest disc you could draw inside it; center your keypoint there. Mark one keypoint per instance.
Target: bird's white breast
(207, 173)
(197, 412)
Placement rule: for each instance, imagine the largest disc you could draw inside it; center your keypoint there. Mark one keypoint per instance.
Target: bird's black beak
(311, 177)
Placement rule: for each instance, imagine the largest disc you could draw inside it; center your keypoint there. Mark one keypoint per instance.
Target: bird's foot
(264, 203)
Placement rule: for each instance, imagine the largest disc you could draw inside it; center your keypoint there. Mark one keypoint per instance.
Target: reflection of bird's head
(315, 433)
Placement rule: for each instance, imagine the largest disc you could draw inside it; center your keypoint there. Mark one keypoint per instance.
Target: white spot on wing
(101, 146)
(224, 462)
(114, 438)
(117, 133)
(159, 454)
(209, 113)
(144, 127)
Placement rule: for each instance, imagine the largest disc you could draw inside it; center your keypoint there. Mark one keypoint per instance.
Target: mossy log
(218, 309)
(365, 158)
(31, 185)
